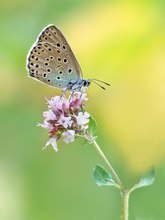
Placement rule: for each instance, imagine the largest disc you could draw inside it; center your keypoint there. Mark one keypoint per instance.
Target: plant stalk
(114, 174)
(125, 204)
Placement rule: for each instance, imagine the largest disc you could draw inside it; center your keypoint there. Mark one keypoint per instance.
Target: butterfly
(51, 61)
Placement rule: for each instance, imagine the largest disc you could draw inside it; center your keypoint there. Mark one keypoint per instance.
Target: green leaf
(146, 180)
(92, 126)
(103, 177)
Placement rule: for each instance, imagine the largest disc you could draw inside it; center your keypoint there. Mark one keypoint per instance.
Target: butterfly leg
(71, 95)
(63, 93)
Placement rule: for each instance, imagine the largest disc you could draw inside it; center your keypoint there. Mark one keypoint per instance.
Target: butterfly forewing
(51, 59)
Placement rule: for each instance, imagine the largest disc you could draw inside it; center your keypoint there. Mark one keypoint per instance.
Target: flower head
(65, 118)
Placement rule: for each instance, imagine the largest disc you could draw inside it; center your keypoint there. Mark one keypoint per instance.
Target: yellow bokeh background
(127, 44)
(120, 42)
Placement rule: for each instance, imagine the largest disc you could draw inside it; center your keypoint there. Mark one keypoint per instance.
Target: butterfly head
(86, 83)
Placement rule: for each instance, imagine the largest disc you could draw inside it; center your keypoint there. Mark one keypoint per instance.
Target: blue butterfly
(51, 61)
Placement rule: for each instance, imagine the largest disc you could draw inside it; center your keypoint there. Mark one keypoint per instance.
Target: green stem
(115, 176)
(124, 192)
(125, 204)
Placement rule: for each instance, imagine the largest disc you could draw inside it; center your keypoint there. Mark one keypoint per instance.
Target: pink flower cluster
(65, 118)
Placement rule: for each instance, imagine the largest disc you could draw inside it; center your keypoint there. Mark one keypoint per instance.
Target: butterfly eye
(85, 83)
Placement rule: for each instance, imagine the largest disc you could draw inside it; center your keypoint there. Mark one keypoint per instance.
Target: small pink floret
(69, 136)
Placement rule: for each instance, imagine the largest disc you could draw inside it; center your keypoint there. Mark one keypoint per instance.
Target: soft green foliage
(92, 126)
(146, 180)
(102, 177)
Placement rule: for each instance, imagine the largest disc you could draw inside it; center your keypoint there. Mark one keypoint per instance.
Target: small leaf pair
(104, 178)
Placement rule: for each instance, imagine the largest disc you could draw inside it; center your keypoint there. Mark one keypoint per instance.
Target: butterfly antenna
(98, 84)
(100, 81)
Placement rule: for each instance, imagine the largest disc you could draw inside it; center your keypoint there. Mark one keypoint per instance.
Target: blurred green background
(121, 42)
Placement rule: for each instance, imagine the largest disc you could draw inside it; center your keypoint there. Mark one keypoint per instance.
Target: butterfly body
(76, 86)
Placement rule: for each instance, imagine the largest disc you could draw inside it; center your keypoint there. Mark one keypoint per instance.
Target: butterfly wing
(51, 59)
